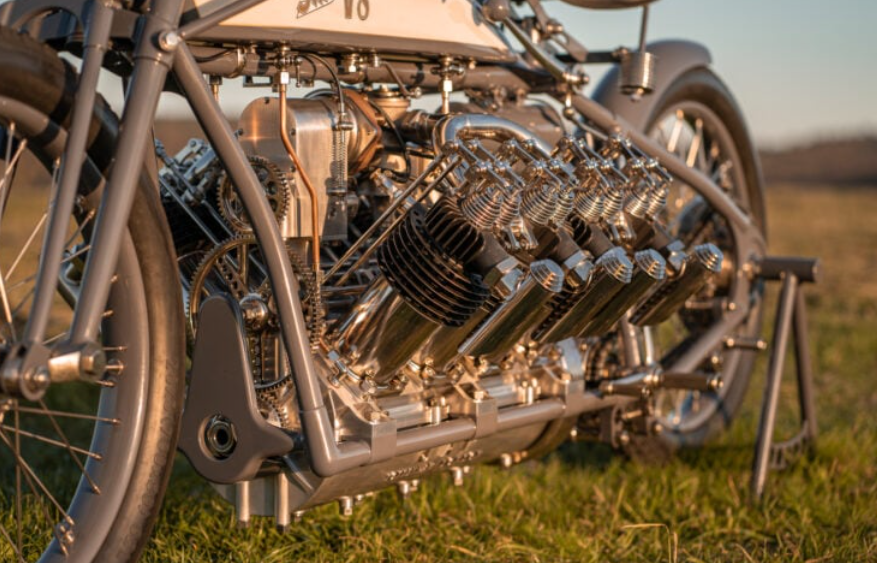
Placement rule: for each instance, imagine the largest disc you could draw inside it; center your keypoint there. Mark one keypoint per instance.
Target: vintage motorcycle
(343, 291)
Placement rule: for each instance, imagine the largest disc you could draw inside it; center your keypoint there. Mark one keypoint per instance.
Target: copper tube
(312, 193)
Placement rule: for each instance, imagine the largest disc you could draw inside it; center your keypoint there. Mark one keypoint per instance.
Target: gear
(276, 187)
(223, 270)
(235, 267)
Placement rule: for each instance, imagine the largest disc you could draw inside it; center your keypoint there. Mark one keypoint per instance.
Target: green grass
(583, 504)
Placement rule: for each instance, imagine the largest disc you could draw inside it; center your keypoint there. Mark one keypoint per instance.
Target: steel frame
(161, 51)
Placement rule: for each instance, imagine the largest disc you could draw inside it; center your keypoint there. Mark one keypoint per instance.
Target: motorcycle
(343, 291)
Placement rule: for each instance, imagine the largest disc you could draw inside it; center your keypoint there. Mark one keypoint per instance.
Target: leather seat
(608, 4)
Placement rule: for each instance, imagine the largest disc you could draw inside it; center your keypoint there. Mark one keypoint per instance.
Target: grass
(583, 504)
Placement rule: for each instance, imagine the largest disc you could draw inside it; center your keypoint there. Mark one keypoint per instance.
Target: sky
(800, 69)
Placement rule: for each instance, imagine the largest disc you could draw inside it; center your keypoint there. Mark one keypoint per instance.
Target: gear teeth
(228, 202)
(196, 283)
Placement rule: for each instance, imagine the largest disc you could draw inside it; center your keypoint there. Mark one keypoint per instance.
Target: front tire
(128, 445)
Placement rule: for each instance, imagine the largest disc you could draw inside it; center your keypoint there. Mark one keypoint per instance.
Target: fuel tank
(387, 26)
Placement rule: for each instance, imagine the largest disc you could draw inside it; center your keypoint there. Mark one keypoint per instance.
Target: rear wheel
(84, 468)
(698, 120)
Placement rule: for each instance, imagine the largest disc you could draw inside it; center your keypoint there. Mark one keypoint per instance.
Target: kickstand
(791, 315)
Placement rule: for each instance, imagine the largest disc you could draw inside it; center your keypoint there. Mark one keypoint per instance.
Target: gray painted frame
(162, 51)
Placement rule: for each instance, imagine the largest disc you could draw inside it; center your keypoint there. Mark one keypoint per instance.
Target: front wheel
(697, 120)
(85, 467)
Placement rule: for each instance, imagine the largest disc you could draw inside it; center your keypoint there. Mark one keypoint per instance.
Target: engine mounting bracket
(790, 316)
(223, 434)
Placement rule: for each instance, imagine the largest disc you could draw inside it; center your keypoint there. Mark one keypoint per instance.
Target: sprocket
(275, 185)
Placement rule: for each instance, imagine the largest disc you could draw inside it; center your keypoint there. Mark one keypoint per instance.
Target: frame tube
(151, 67)
(327, 457)
(96, 42)
(212, 20)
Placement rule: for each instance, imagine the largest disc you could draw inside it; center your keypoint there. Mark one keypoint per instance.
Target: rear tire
(701, 88)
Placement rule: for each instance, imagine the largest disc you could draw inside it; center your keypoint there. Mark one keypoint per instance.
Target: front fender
(674, 57)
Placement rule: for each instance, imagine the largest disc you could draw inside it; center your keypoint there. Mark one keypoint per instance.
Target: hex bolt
(404, 489)
(345, 506)
(169, 41)
(457, 475)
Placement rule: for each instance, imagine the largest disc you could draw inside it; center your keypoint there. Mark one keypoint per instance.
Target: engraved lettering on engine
(423, 467)
(306, 7)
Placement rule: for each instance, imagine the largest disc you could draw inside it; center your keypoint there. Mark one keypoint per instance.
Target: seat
(608, 4)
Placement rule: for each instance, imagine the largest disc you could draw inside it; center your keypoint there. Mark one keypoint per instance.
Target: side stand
(791, 316)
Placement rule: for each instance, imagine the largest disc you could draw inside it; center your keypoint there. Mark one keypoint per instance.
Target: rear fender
(674, 58)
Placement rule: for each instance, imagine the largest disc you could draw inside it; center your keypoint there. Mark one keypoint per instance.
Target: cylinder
(575, 309)
(703, 262)
(513, 318)
(382, 332)
(649, 269)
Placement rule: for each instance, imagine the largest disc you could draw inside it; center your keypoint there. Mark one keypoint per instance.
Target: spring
(613, 201)
(565, 205)
(659, 200)
(483, 209)
(589, 205)
(511, 210)
(539, 204)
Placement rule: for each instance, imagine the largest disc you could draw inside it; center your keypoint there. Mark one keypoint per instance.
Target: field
(583, 504)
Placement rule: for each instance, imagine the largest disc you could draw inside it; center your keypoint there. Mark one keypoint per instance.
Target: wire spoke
(33, 478)
(694, 149)
(51, 442)
(66, 260)
(17, 549)
(19, 513)
(70, 449)
(26, 247)
(676, 133)
(63, 414)
(11, 164)
(7, 311)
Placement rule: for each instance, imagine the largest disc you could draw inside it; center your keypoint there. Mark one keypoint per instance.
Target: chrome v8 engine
(475, 302)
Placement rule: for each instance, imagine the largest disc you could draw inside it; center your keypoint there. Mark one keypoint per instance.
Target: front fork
(26, 369)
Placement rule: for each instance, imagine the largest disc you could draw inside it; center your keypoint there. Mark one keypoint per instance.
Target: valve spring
(539, 204)
(613, 201)
(483, 209)
(565, 206)
(581, 231)
(511, 210)
(638, 204)
(428, 278)
(659, 200)
(589, 205)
